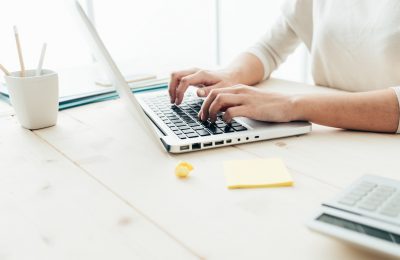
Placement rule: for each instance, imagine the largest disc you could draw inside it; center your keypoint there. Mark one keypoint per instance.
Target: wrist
(299, 104)
(232, 74)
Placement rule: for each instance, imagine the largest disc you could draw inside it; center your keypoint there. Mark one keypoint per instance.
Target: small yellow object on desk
(259, 173)
(183, 169)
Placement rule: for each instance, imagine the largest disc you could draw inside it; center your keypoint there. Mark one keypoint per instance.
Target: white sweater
(354, 44)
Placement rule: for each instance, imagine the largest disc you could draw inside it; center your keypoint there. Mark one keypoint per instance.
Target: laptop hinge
(166, 146)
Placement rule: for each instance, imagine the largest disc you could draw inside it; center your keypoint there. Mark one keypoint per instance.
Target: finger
(204, 91)
(200, 77)
(203, 114)
(223, 102)
(176, 78)
(234, 112)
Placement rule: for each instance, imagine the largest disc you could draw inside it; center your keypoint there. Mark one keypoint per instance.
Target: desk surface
(95, 187)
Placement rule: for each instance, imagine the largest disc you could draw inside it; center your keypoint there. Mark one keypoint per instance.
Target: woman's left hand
(241, 100)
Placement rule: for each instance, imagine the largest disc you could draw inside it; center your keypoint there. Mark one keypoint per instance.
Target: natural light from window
(153, 36)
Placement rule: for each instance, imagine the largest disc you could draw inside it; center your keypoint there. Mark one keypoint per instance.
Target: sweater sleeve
(291, 28)
(274, 47)
(397, 91)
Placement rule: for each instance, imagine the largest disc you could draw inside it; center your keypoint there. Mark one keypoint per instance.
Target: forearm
(376, 111)
(246, 69)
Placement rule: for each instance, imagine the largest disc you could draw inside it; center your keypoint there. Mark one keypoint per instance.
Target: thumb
(204, 91)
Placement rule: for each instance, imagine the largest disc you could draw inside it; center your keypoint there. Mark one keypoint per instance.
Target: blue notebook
(92, 97)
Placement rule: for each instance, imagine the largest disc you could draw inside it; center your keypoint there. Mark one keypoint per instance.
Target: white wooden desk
(95, 187)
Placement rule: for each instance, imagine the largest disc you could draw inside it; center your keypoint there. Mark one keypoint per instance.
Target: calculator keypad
(392, 209)
(372, 197)
(351, 198)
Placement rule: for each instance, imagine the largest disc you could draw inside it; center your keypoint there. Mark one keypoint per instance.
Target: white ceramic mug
(34, 98)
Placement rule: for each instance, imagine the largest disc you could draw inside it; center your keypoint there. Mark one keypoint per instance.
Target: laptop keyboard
(183, 119)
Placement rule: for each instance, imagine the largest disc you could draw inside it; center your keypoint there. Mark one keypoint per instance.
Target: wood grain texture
(51, 209)
(213, 221)
(95, 187)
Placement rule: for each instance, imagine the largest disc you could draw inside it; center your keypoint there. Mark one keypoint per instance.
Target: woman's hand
(205, 80)
(241, 100)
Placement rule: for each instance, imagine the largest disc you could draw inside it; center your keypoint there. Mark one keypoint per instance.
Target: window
(244, 21)
(153, 36)
(158, 35)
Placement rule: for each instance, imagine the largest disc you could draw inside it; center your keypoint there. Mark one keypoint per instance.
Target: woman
(354, 46)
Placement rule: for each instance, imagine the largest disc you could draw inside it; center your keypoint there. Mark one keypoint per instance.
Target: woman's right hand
(205, 80)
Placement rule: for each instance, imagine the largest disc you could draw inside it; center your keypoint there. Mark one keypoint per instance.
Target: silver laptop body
(177, 127)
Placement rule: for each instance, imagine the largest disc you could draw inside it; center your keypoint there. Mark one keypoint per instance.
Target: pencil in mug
(21, 60)
(40, 65)
(4, 70)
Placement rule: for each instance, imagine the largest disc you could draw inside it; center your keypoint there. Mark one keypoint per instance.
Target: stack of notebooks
(99, 95)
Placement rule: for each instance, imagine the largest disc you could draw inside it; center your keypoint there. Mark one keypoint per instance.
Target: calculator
(367, 214)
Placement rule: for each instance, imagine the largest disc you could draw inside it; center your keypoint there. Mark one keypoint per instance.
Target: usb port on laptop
(196, 146)
(207, 144)
(184, 147)
(219, 142)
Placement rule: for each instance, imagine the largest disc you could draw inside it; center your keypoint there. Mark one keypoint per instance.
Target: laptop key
(205, 123)
(180, 124)
(217, 131)
(228, 129)
(192, 135)
(189, 120)
(176, 121)
(182, 136)
(203, 132)
(214, 130)
(221, 125)
(187, 131)
(239, 128)
(198, 127)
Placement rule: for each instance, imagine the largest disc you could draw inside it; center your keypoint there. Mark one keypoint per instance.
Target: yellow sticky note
(259, 173)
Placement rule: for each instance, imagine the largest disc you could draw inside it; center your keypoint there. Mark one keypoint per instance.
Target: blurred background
(152, 36)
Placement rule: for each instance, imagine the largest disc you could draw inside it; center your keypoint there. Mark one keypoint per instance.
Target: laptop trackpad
(252, 124)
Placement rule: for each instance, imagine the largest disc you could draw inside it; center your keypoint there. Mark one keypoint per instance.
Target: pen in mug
(21, 60)
(39, 67)
(4, 70)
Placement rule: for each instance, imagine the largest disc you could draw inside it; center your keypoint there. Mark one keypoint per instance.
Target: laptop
(178, 127)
